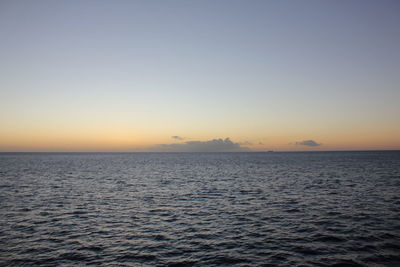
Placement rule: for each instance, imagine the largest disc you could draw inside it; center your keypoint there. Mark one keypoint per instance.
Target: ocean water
(200, 209)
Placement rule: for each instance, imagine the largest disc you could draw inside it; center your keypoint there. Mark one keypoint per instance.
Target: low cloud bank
(215, 145)
(176, 137)
(307, 143)
(246, 143)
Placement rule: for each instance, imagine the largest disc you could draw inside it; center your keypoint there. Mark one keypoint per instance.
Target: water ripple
(216, 209)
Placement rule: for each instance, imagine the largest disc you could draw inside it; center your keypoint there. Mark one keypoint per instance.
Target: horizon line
(148, 152)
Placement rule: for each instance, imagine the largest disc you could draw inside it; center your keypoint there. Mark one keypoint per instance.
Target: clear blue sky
(121, 75)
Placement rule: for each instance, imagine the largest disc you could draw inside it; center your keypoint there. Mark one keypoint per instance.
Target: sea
(200, 209)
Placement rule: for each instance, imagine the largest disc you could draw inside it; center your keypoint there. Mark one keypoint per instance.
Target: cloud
(215, 145)
(307, 143)
(176, 137)
(246, 143)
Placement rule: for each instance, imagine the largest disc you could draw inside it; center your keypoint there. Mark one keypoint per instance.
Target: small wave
(72, 256)
(145, 257)
(327, 238)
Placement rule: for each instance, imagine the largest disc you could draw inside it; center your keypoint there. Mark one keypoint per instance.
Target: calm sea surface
(205, 209)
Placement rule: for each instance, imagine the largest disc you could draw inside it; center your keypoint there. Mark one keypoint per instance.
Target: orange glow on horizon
(114, 141)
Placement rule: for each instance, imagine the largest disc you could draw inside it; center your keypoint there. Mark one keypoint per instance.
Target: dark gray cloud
(215, 145)
(307, 143)
(176, 137)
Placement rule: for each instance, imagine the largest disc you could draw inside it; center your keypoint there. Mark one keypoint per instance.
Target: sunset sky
(87, 75)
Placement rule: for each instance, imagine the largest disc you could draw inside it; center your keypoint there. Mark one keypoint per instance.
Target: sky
(221, 75)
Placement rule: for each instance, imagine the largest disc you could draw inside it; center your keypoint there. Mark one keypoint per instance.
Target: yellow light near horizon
(118, 135)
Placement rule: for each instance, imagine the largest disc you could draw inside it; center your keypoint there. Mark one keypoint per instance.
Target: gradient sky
(127, 75)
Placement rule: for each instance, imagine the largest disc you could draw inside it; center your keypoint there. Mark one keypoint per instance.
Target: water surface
(216, 209)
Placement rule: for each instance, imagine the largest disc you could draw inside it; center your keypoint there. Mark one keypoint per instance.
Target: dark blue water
(183, 209)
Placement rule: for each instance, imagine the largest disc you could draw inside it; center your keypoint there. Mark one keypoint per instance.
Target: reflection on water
(178, 209)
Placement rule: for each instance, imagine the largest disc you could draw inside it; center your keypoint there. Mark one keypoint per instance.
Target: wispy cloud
(245, 143)
(307, 143)
(176, 137)
(214, 145)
